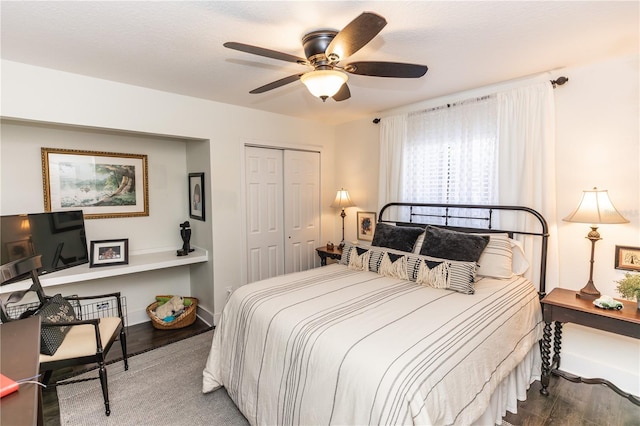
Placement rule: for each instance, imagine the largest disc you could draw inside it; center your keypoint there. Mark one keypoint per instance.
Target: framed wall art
(366, 225)
(627, 258)
(109, 252)
(19, 249)
(102, 184)
(196, 196)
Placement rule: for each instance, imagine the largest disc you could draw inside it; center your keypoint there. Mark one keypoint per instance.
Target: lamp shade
(595, 207)
(342, 200)
(324, 83)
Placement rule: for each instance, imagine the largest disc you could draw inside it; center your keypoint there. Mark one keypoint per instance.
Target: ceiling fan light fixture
(324, 83)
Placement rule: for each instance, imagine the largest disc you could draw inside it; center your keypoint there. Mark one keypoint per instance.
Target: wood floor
(568, 403)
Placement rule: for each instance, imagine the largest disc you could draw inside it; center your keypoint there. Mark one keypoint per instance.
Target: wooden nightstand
(325, 253)
(562, 305)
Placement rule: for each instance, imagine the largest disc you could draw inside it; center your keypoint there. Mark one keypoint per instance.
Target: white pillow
(496, 259)
(520, 263)
(418, 245)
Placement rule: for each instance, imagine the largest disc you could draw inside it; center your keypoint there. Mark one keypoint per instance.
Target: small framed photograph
(196, 196)
(627, 258)
(366, 225)
(109, 252)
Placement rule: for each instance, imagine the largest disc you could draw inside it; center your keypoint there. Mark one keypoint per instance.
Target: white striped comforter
(337, 346)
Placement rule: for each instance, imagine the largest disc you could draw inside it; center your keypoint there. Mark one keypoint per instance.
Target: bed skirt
(513, 389)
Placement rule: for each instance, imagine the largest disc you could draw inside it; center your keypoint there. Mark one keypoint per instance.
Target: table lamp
(342, 201)
(595, 208)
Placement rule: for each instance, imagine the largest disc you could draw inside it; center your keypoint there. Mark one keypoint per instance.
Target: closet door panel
(302, 209)
(264, 200)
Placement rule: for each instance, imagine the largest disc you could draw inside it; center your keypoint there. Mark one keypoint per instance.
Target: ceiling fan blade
(387, 69)
(255, 50)
(343, 94)
(276, 84)
(355, 35)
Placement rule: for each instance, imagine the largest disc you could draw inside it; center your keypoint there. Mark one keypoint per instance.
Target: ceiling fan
(325, 49)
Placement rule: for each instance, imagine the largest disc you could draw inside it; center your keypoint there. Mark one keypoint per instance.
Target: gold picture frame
(102, 184)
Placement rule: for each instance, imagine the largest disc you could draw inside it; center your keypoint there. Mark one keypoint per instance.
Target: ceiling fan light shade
(324, 83)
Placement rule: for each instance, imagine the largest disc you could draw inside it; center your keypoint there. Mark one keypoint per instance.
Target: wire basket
(102, 308)
(185, 319)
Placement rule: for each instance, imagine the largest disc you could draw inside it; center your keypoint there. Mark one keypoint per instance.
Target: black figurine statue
(185, 233)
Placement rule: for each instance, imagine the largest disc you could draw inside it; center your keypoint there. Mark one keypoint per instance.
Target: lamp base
(589, 292)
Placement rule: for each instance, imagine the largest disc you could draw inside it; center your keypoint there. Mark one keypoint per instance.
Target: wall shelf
(148, 261)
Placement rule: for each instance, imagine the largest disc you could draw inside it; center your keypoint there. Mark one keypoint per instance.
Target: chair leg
(123, 344)
(105, 388)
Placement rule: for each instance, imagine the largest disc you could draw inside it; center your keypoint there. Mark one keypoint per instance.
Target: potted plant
(629, 287)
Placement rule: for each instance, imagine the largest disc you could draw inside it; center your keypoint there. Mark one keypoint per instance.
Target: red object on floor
(7, 385)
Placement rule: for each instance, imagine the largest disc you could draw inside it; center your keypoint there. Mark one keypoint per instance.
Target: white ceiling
(177, 46)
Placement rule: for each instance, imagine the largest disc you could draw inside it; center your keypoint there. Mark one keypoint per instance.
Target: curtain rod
(557, 82)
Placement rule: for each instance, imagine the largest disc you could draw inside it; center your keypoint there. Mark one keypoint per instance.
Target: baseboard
(206, 316)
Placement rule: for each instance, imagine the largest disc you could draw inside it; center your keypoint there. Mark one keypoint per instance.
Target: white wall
(357, 149)
(45, 95)
(598, 144)
(598, 137)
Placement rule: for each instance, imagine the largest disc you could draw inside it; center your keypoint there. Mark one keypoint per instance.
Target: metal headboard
(442, 215)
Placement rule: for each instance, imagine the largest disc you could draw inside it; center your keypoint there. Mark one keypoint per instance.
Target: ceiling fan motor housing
(315, 44)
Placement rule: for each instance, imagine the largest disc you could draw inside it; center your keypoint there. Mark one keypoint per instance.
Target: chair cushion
(56, 310)
(80, 340)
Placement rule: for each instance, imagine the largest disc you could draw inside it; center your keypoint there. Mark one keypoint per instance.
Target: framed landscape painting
(102, 184)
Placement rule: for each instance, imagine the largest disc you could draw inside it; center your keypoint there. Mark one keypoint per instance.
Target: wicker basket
(185, 319)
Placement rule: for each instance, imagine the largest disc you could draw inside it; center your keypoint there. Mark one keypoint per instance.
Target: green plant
(629, 286)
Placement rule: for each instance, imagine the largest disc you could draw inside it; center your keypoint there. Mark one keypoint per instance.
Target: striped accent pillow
(497, 258)
(430, 271)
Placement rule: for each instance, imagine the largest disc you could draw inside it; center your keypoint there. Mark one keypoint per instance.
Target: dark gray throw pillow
(400, 238)
(57, 310)
(453, 245)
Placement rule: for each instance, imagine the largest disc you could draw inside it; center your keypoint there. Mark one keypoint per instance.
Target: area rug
(161, 387)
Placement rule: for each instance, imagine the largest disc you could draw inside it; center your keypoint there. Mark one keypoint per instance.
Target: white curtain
(393, 134)
(527, 164)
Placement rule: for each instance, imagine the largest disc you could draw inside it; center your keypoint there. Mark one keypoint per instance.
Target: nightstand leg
(323, 260)
(557, 343)
(545, 350)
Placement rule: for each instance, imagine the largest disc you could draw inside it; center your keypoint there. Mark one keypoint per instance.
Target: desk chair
(86, 340)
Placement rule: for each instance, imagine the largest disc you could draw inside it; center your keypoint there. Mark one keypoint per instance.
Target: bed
(392, 334)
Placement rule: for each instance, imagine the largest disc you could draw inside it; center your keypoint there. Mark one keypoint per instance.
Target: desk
(562, 305)
(20, 359)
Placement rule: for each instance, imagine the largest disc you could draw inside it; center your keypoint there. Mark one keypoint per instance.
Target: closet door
(283, 211)
(264, 198)
(301, 209)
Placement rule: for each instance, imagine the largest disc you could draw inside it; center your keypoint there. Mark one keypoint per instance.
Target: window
(450, 155)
